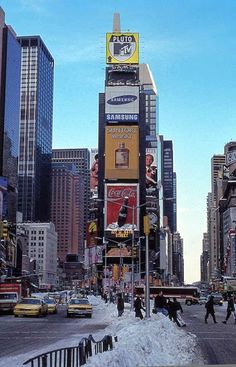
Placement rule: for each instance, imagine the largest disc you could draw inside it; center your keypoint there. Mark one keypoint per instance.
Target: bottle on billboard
(122, 157)
(123, 212)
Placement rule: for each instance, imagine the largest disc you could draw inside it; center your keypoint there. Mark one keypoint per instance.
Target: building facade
(36, 117)
(10, 69)
(67, 209)
(42, 248)
(81, 159)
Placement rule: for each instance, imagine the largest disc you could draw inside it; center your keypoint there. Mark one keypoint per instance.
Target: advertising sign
(231, 163)
(122, 152)
(91, 230)
(122, 104)
(121, 211)
(122, 48)
(151, 171)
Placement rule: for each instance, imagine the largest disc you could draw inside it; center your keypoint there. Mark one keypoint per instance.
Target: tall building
(10, 68)
(81, 159)
(36, 117)
(67, 209)
(168, 183)
(204, 260)
(42, 248)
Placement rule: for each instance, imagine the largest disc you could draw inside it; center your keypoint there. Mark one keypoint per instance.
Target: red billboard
(121, 207)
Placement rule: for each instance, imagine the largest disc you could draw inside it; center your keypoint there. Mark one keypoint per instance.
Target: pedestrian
(120, 305)
(105, 297)
(160, 304)
(179, 311)
(172, 312)
(138, 307)
(210, 309)
(230, 309)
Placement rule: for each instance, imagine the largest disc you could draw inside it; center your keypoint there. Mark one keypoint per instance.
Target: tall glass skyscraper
(36, 116)
(10, 62)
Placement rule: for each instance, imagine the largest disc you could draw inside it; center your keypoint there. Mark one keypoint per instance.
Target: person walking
(179, 311)
(120, 305)
(210, 309)
(138, 307)
(160, 304)
(230, 309)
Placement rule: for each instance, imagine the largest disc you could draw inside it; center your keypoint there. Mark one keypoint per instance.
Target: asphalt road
(25, 334)
(217, 341)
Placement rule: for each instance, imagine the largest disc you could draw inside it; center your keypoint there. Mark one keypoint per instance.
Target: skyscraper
(67, 208)
(10, 63)
(36, 115)
(168, 183)
(81, 159)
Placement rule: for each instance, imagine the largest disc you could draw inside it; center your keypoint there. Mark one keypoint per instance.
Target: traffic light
(134, 251)
(146, 225)
(5, 229)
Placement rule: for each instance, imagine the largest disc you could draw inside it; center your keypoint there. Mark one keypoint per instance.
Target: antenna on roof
(116, 22)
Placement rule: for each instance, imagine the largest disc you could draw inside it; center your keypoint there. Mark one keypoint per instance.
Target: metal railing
(72, 356)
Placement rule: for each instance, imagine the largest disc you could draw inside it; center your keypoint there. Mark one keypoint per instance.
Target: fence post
(44, 360)
(68, 359)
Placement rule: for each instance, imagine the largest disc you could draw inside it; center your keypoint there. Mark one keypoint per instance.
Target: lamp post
(146, 226)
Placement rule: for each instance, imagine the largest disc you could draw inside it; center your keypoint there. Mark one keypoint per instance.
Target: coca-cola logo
(117, 193)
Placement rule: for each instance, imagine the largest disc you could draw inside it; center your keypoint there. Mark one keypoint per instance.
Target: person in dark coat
(172, 311)
(210, 309)
(160, 304)
(105, 297)
(179, 311)
(230, 309)
(120, 305)
(138, 307)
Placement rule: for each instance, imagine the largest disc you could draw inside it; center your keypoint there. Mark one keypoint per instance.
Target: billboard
(122, 152)
(231, 163)
(122, 104)
(121, 208)
(151, 170)
(91, 231)
(94, 170)
(122, 48)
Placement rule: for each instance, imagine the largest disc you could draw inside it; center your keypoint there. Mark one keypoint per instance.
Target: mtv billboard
(122, 48)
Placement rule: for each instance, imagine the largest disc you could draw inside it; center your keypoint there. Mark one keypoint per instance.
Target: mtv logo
(122, 49)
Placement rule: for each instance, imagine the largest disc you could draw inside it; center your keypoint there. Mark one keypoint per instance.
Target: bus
(189, 294)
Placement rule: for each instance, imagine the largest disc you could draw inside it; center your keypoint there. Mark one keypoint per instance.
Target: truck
(10, 294)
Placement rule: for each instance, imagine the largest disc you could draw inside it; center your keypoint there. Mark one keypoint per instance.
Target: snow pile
(152, 342)
(149, 342)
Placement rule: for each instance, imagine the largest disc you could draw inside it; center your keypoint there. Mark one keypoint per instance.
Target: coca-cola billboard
(121, 207)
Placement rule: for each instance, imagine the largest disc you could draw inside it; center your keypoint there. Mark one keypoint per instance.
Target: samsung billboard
(122, 104)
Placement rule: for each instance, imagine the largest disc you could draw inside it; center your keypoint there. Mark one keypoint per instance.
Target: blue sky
(190, 48)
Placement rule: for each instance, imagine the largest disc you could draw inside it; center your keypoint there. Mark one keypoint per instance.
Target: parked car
(31, 307)
(79, 307)
(202, 300)
(52, 305)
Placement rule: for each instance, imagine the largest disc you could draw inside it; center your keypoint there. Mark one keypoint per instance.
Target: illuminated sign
(122, 104)
(122, 48)
(122, 152)
(121, 211)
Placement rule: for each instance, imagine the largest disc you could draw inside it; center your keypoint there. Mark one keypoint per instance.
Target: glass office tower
(36, 115)
(10, 62)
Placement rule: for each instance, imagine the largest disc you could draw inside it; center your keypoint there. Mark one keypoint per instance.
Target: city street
(20, 336)
(217, 341)
(24, 334)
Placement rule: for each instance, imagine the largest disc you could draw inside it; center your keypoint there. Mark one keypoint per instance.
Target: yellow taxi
(79, 307)
(52, 305)
(31, 307)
